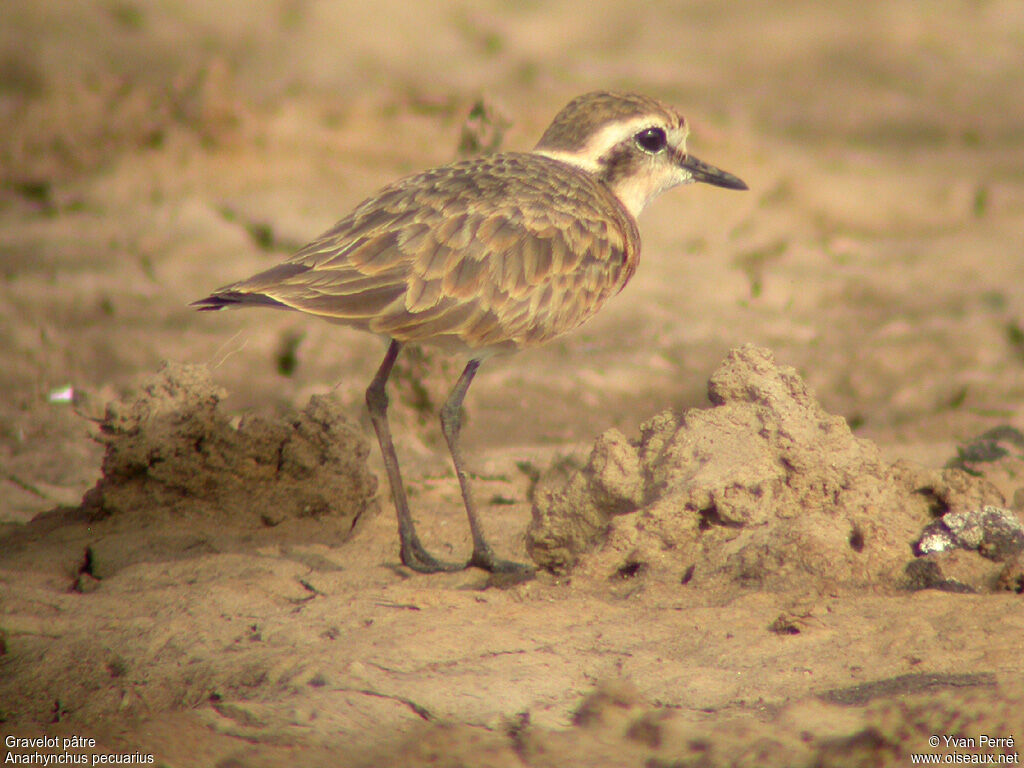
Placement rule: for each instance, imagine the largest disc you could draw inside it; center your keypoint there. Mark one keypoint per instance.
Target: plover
(485, 256)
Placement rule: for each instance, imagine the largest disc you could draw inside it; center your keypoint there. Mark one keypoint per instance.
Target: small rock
(991, 531)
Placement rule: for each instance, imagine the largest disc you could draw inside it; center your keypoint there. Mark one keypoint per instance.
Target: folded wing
(505, 251)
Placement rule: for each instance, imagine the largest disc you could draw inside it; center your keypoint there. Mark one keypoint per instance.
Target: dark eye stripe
(651, 139)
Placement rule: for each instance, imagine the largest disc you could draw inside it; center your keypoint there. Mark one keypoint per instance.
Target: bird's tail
(235, 299)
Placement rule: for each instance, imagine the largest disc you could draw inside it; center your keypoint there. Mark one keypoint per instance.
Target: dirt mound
(180, 479)
(765, 489)
(173, 447)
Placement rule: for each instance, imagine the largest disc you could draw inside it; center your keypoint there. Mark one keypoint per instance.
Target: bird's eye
(651, 139)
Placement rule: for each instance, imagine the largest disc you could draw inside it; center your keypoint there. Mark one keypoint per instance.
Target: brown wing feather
(504, 251)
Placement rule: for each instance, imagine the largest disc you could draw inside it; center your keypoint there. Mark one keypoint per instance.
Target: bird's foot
(485, 558)
(414, 556)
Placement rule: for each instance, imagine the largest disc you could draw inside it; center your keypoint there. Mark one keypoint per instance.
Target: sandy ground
(223, 607)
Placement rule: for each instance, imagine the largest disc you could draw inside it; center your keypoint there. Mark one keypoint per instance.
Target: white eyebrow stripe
(587, 156)
(616, 132)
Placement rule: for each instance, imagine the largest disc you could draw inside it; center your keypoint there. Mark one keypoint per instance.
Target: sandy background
(153, 151)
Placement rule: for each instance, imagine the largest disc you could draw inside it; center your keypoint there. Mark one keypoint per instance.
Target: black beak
(708, 174)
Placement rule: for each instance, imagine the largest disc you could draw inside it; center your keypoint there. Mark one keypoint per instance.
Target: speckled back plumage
(480, 255)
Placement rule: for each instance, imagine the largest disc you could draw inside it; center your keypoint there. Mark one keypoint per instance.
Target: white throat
(634, 192)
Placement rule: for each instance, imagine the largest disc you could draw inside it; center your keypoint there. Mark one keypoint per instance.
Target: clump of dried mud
(180, 479)
(765, 489)
(173, 447)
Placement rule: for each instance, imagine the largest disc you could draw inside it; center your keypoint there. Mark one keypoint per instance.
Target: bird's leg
(451, 424)
(413, 554)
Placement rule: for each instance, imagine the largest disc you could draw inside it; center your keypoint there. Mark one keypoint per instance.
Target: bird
(486, 256)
